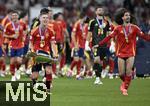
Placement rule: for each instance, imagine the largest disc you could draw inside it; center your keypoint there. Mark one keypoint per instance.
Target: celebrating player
(125, 38)
(15, 31)
(42, 39)
(4, 22)
(79, 34)
(61, 39)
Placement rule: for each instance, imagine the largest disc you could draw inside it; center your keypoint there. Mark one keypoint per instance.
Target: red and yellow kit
(10, 29)
(26, 31)
(54, 27)
(1, 38)
(81, 32)
(125, 39)
(4, 22)
(60, 34)
(41, 39)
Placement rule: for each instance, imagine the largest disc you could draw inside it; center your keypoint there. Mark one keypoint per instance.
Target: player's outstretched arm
(142, 35)
(106, 39)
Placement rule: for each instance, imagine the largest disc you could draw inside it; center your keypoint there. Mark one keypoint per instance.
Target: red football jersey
(81, 32)
(4, 22)
(60, 34)
(125, 43)
(54, 27)
(1, 38)
(41, 39)
(25, 25)
(10, 30)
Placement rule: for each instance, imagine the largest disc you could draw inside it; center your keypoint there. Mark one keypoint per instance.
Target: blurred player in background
(2, 53)
(53, 25)
(79, 35)
(24, 20)
(16, 32)
(61, 39)
(5, 21)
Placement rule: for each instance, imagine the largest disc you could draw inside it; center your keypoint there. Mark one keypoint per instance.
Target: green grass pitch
(72, 92)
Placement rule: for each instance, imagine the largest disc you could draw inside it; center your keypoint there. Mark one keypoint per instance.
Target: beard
(100, 14)
(128, 20)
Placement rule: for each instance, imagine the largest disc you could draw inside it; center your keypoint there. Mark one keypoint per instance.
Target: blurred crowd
(72, 8)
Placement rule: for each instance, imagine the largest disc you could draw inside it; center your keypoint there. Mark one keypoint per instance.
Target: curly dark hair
(120, 13)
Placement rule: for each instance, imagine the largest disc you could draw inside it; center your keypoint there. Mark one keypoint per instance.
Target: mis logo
(14, 93)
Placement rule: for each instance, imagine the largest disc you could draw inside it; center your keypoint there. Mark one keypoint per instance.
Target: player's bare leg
(125, 70)
(128, 76)
(2, 67)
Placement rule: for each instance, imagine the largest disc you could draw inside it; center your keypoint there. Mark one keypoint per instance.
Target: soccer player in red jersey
(61, 39)
(111, 58)
(26, 61)
(15, 31)
(56, 29)
(2, 53)
(4, 22)
(42, 39)
(125, 39)
(79, 34)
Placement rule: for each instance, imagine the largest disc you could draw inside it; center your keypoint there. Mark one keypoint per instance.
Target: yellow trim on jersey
(3, 21)
(91, 22)
(33, 30)
(51, 29)
(87, 55)
(75, 26)
(7, 25)
(35, 24)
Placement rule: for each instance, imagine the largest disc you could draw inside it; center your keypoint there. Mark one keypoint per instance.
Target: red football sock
(104, 64)
(1, 62)
(127, 81)
(73, 64)
(18, 66)
(122, 77)
(48, 80)
(3, 67)
(48, 77)
(12, 69)
(62, 61)
(79, 67)
(111, 64)
(54, 68)
(26, 65)
(48, 84)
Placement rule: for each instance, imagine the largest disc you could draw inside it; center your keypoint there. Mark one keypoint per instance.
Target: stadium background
(72, 92)
(72, 8)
